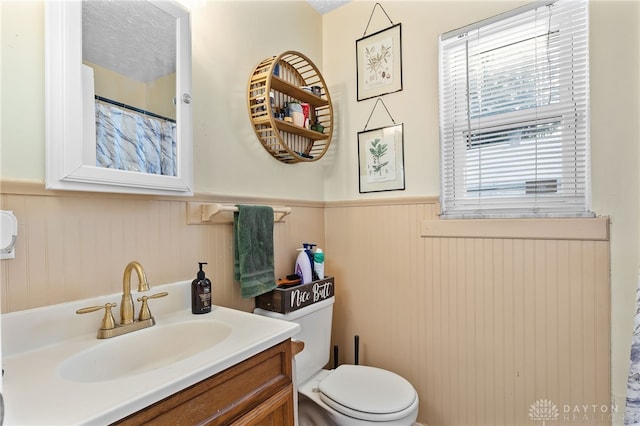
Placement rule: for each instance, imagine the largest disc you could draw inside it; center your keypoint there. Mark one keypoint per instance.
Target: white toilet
(350, 394)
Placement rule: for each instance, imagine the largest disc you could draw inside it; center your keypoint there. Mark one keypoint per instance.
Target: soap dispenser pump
(201, 293)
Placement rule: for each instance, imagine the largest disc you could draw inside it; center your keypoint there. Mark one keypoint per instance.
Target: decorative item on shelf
(297, 115)
(381, 156)
(305, 112)
(287, 127)
(379, 60)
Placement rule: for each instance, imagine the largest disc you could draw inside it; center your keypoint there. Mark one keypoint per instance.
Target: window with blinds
(514, 114)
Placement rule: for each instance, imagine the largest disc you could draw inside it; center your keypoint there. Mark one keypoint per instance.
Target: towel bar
(210, 210)
(199, 213)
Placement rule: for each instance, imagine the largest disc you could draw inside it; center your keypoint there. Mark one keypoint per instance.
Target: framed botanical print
(381, 159)
(379, 63)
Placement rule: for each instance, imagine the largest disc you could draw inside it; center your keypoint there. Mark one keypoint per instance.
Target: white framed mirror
(102, 102)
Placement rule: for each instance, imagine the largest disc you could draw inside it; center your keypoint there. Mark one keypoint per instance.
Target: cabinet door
(276, 411)
(257, 391)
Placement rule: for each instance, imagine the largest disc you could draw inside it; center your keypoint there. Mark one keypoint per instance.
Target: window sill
(596, 229)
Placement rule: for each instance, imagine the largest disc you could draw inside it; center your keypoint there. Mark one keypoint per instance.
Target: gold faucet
(126, 305)
(108, 327)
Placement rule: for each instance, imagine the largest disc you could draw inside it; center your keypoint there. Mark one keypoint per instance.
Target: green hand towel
(253, 250)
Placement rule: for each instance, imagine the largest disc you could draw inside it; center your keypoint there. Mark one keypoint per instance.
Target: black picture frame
(381, 159)
(379, 63)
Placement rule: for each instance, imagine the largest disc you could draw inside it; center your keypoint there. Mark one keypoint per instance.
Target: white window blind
(514, 114)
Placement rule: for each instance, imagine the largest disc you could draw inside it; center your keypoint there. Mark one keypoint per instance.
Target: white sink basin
(51, 355)
(143, 350)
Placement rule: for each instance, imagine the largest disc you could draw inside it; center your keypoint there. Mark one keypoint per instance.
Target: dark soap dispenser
(201, 293)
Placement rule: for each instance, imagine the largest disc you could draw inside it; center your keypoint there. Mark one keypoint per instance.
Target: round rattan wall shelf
(281, 80)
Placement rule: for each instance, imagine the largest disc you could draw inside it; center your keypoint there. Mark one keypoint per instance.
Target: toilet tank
(315, 332)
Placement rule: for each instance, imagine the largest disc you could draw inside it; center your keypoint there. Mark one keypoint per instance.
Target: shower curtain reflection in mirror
(133, 141)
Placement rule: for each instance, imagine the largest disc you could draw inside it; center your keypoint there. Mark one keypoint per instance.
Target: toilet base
(312, 411)
(310, 414)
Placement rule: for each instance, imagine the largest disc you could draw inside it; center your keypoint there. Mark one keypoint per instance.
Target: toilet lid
(367, 393)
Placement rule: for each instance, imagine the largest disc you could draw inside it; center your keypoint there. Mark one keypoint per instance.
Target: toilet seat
(368, 393)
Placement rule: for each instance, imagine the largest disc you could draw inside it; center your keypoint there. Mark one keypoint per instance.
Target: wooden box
(285, 300)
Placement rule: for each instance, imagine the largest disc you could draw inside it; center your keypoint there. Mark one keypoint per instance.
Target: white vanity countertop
(35, 343)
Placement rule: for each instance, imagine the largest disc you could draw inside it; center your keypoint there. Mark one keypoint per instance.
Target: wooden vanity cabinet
(257, 391)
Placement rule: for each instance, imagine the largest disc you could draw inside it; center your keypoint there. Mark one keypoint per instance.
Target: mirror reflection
(129, 72)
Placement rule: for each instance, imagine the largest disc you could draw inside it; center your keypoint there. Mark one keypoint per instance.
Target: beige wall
(155, 96)
(75, 245)
(615, 135)
(110, 84)
(615, 128)
(160, 93)
(229, 38)
(483, 327)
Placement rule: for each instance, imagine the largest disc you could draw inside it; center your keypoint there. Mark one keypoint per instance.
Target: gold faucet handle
(145, 313)
(108, 322)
